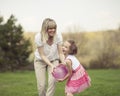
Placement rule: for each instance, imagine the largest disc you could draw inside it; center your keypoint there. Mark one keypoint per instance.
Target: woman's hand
(64, 63)
(52, 67)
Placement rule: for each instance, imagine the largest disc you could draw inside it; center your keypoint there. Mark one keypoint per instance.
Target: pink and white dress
(79, 80)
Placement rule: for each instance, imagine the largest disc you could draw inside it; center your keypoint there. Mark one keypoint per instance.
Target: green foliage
(14, 48)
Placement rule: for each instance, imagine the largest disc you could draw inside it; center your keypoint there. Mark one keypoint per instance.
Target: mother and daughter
(48, 53)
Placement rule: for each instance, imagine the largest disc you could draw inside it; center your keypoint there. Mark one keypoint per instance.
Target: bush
(14, 48)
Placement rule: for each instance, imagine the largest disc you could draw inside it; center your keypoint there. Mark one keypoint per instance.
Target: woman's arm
(44, 58)
(61, 55)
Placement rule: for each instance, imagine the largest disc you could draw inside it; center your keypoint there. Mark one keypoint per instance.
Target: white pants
(40, 71)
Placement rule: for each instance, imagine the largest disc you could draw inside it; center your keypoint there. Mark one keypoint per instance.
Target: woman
(47, 56)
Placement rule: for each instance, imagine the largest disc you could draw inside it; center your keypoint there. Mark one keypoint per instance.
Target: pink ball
(60, 72)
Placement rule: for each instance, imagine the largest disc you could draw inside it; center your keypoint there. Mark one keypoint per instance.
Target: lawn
(104, 83)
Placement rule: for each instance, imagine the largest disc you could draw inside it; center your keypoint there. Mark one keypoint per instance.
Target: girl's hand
(60, 80)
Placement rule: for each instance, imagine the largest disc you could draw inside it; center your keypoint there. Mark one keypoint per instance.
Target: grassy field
(104, 83)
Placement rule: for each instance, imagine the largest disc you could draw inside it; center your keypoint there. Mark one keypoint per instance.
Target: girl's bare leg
(69, 94)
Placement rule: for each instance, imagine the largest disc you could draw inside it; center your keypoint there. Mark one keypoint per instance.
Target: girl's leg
(40, 72)
(69, 94)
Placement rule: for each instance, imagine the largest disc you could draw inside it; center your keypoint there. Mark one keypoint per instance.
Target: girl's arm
(44, 58)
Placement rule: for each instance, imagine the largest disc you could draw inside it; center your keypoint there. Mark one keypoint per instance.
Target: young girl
(78, 79)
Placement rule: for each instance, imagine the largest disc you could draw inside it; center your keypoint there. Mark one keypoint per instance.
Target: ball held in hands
(60, 72)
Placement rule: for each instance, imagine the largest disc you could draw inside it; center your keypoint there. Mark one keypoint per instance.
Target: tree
(14, 48)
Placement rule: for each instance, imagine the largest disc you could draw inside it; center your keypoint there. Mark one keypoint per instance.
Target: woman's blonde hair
(47, 23)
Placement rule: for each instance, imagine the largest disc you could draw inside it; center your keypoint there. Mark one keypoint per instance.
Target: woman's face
(51, 32)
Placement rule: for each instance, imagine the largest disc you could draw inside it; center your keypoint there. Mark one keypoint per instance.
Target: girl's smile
(65, 48)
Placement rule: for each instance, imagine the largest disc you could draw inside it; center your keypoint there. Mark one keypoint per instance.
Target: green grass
(104, 83)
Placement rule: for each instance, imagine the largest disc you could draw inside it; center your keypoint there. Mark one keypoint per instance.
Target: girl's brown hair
(73, 47)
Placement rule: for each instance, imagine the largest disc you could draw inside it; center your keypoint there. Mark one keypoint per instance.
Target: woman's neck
(50, 37)
(50, 40)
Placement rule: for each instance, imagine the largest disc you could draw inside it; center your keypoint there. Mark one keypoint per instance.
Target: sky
(82, 15)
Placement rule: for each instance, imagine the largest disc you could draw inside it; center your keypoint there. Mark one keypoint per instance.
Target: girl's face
(66, 48)
(51, 32)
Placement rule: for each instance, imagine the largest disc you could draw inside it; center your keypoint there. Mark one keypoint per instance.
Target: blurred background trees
(96, 50)
(14, 48)
(108, 51)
